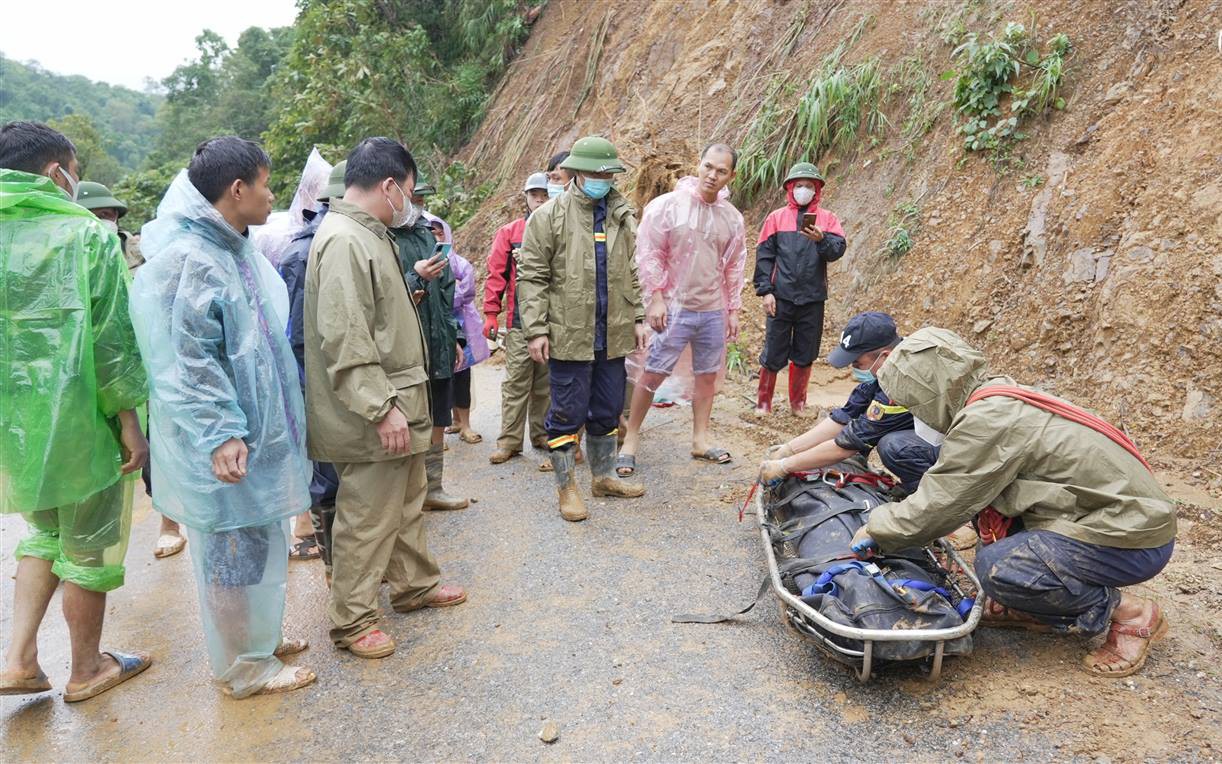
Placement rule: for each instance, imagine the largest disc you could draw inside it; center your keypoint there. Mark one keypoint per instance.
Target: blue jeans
(907, 456)
(589, 393)
(1065, 583)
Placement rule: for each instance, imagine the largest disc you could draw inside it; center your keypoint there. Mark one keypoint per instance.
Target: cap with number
(864, 332)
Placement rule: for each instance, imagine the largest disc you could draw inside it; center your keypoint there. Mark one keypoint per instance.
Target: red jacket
(788, 264)
(503, 272)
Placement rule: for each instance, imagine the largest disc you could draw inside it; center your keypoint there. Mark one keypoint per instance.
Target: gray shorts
(704, 330)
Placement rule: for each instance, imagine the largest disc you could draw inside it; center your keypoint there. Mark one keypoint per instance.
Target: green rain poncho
(68, 356)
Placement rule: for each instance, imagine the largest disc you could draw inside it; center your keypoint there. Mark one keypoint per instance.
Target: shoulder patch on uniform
(878, 410)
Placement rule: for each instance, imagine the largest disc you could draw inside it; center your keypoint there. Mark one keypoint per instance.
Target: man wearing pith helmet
(582, 314)
(106, 207)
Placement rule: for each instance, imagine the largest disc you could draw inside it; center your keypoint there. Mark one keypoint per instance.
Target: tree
(96, 163)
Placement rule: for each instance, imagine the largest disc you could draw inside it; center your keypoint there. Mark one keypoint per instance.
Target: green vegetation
(117, 121)
(736, 359)
(458, 194)
(988, 70)
(904, 222)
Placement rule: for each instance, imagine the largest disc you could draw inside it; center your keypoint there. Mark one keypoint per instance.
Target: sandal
(168, 545)
(546, 466)
(375, 644)
(289, 678)
(130, 664)
(999, 616)
(625, 465)
(26, 685)
(447, 595)
(305, 549)
(467, 436)
(714, 456)
(452, 430)
(1153, 631)
(290, 647)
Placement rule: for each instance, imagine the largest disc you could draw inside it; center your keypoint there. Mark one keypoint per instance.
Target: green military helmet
(803, 171)
(423, 187)
(95, 196)
(593, 154)
(335, 183)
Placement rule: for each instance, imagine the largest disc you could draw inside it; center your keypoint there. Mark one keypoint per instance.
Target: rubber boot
(600, 453)
(763, 404)
(437, 498)
(799, 379)
(564, 465)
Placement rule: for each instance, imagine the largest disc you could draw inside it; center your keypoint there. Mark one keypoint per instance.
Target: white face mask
(803, 195)
(927, 433)
(110, 225)
(406, 217)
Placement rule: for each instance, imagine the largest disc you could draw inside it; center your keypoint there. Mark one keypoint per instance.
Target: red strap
(1061, 409)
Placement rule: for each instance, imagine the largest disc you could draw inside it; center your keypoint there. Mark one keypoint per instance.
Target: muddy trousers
(1068, 584)
(524, 395)
(589, 393)
(378, 531)
(792, 335)
(241, 576)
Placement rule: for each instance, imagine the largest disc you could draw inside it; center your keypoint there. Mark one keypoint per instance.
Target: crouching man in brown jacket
(367, 400)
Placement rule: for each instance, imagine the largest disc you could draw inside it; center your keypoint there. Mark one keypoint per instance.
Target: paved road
(565, 622)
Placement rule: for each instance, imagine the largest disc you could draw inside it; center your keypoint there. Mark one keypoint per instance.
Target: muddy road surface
(570, 623)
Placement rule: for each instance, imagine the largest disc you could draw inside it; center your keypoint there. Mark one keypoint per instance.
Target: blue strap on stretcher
(826, 584)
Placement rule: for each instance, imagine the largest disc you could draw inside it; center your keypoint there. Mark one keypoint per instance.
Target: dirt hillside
(1088, 262)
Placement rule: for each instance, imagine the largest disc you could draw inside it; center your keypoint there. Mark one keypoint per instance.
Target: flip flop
(625, 465)
(290, 647)
(289, 678)
(168, 545)
(1153, 631)
(27, 685)
(130, 664)
(305, 549)
(714, 456)
(471, 437)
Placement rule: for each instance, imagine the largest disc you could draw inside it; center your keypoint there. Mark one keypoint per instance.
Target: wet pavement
(565, 622)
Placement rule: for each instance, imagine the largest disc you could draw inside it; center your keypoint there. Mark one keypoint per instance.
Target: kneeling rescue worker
(1066, 507)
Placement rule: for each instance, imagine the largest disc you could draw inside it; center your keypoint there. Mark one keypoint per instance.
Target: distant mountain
(124, 118)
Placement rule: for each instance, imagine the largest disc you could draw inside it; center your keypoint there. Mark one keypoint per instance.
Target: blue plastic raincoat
(210, 312)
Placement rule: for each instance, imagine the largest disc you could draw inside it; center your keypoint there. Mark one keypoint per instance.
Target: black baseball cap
(864, 332)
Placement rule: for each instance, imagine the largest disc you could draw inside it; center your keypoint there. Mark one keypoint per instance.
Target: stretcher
(932, 585)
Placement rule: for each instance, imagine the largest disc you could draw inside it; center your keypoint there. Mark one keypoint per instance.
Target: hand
(393, 430)
(862, 545)
(770, 304)
(655, 315)
(490, 327)
(459, 356)
(642, 335)
(229, 461)
(812, 232)
(540, 349)
(417, 296)
(779, 451)
(431, 268)
(132, 443)
(732, 326)
(772, 470)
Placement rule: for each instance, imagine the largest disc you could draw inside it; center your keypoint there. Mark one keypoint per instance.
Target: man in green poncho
(69, 386)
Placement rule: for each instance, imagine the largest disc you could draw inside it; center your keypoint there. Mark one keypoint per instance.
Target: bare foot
(1136, 624)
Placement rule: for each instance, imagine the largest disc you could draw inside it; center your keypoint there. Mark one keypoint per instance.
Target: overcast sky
(128, 41)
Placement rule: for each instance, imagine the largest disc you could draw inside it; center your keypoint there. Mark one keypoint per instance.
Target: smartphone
(808, 219)
(442, 249)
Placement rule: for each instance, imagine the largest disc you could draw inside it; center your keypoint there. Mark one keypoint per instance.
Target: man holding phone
(796, 243)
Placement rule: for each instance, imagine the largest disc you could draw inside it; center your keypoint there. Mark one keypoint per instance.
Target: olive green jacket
(556, 276)
(1055, 474)
(364, 347)
(436, 310)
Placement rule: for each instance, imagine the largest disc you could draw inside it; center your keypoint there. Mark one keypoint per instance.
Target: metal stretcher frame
(805, 618)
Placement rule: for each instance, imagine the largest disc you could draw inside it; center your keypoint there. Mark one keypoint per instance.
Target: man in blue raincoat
(227, 415)
(70, 379)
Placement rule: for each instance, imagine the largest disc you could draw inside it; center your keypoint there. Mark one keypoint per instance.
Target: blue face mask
(595, 188)
(554, 190)
(863, 375)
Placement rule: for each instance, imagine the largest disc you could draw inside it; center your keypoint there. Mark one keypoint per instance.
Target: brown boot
(564, 464)
(601, 453)
(763, 403)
